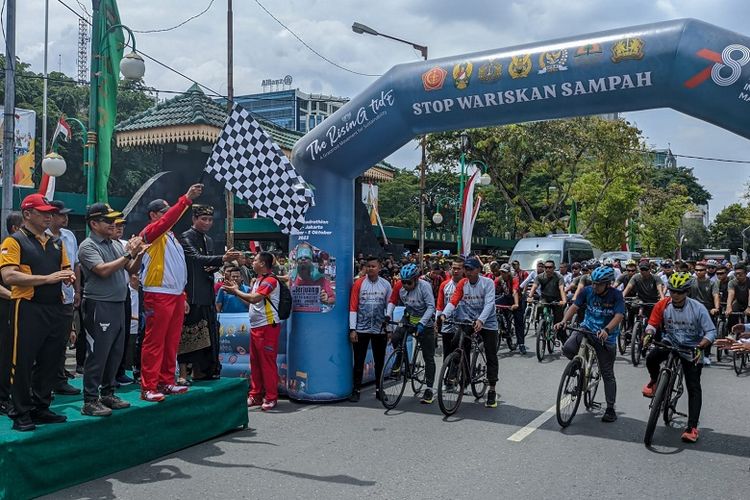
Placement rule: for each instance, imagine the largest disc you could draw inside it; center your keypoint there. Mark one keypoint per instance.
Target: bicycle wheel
(674, 391)
(635, 344)
(721, 332)
(622, 343)
(417, 369)
(541, 341)
(452, 383)
(551, 339)
(592, 383)
(569, 393)
(527, 320)
(737, 362)
(478, 373)
(656, 404)
(392, 384)
(510, 339)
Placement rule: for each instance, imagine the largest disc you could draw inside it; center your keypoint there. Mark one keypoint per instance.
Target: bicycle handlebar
(689, 351)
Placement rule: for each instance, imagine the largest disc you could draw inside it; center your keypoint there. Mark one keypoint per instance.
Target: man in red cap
(34, 264)
(163, 276)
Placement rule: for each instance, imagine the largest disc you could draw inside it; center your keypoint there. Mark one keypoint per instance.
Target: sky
(264, 49)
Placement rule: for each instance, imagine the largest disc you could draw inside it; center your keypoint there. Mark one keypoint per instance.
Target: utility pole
(9, 113)
(230, 102)
(422, 185)
(46, 74)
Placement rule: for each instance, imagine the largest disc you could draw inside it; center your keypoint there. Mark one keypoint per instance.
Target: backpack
(285, 300)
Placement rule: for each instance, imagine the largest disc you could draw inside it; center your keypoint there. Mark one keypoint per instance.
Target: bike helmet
(594, 264)
(630, 262)
(603, 274)
(679, 282)
(409, 271)
(608, 262)
(712, 263)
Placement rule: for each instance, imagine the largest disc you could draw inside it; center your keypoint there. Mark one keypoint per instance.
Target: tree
(726, 230)
(696, 236)
(534, 165)
(661, 216)
(664, 177)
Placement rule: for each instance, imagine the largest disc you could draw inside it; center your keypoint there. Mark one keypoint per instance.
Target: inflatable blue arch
(687, 65)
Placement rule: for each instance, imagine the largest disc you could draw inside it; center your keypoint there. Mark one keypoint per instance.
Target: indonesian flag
(47, 186)
(469, 212)
(63, 128)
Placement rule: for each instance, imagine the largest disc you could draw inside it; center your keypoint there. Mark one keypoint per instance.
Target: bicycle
(636, 337)
(739, 360)
(530, 317)
(624, 340)
(393, 382)
(546, 336)
(580, 378)
(669, 388)
(505, 327)
(456, 372)
(721, 333)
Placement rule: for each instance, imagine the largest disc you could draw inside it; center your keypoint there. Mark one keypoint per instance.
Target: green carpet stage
(85, 448)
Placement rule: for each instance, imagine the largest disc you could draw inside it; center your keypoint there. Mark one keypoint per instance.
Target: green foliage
(661, 216)
(666, 176)
(696, 236)
(726, 230)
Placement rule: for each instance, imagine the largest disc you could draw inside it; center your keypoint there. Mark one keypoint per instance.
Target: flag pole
(230, 98)
(46, 74)
(9, 112)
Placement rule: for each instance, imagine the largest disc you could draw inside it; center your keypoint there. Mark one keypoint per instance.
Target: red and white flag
(63, 128)
(47, 186)
(469, 212)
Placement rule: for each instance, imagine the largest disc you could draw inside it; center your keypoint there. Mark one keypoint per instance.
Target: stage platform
(85, 448)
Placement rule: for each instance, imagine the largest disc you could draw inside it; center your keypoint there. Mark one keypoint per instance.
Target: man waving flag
(251, 166)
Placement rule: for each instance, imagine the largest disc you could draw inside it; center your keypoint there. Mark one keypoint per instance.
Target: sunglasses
(678, 292)
(721, 273)
(700, 270)
(549, 267)
(407, 282)
(630, 270)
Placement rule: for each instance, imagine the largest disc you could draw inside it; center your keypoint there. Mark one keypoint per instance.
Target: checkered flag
(250, 165)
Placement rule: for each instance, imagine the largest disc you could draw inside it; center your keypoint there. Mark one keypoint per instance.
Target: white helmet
(608, 262)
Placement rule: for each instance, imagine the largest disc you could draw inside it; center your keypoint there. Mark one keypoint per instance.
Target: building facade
(291, 109)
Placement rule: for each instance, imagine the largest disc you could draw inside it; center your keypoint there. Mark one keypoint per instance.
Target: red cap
(37, 202)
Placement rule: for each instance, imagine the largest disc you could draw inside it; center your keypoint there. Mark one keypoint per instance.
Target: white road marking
(523, 433)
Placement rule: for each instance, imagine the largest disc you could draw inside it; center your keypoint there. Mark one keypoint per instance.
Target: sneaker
(123, 380)
(609, 415)
(67, 390)
(491, 399)
(152, 396)
(690, 435)
(522, 349)
(706, 360)
(95, 408)
(427, 397)
(268, 405)
(378, 394)
(114, 402)
(46, 416)
(23, 423)
(173, 389)
(354, 397)
(251, 401)
(648, 390)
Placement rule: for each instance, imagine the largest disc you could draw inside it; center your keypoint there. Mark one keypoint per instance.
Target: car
(622, 256)
(555, 247)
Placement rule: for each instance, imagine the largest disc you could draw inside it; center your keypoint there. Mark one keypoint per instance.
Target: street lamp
(683, 239)
(362, 29)
(484, 180)
(437, 217)
(53, 164)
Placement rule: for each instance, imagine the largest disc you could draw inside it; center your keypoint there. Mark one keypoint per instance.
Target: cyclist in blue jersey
(605, 309)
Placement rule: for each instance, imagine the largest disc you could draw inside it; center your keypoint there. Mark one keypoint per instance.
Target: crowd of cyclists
(678, 302)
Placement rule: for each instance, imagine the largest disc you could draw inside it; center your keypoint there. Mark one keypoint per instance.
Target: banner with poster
(25, 141)
(312, 276)
(370, 199)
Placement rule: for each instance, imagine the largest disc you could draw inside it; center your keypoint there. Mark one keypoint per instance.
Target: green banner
(109, 68)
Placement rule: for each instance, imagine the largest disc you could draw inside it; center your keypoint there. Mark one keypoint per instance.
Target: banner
(109, 77)
(468, 214)
(25, 139)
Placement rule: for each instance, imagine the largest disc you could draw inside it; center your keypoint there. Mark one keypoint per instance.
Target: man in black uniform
(201, 265)
(12, 223)
(552, 285)
(34, 264)
(737, 296)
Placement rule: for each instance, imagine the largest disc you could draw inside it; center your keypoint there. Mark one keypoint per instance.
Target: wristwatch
(128, 256)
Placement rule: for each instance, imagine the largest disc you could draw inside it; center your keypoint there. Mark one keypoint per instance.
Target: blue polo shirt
(600, 309)
(231, 303)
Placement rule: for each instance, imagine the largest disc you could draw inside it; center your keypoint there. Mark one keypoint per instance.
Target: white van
(556, 247)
